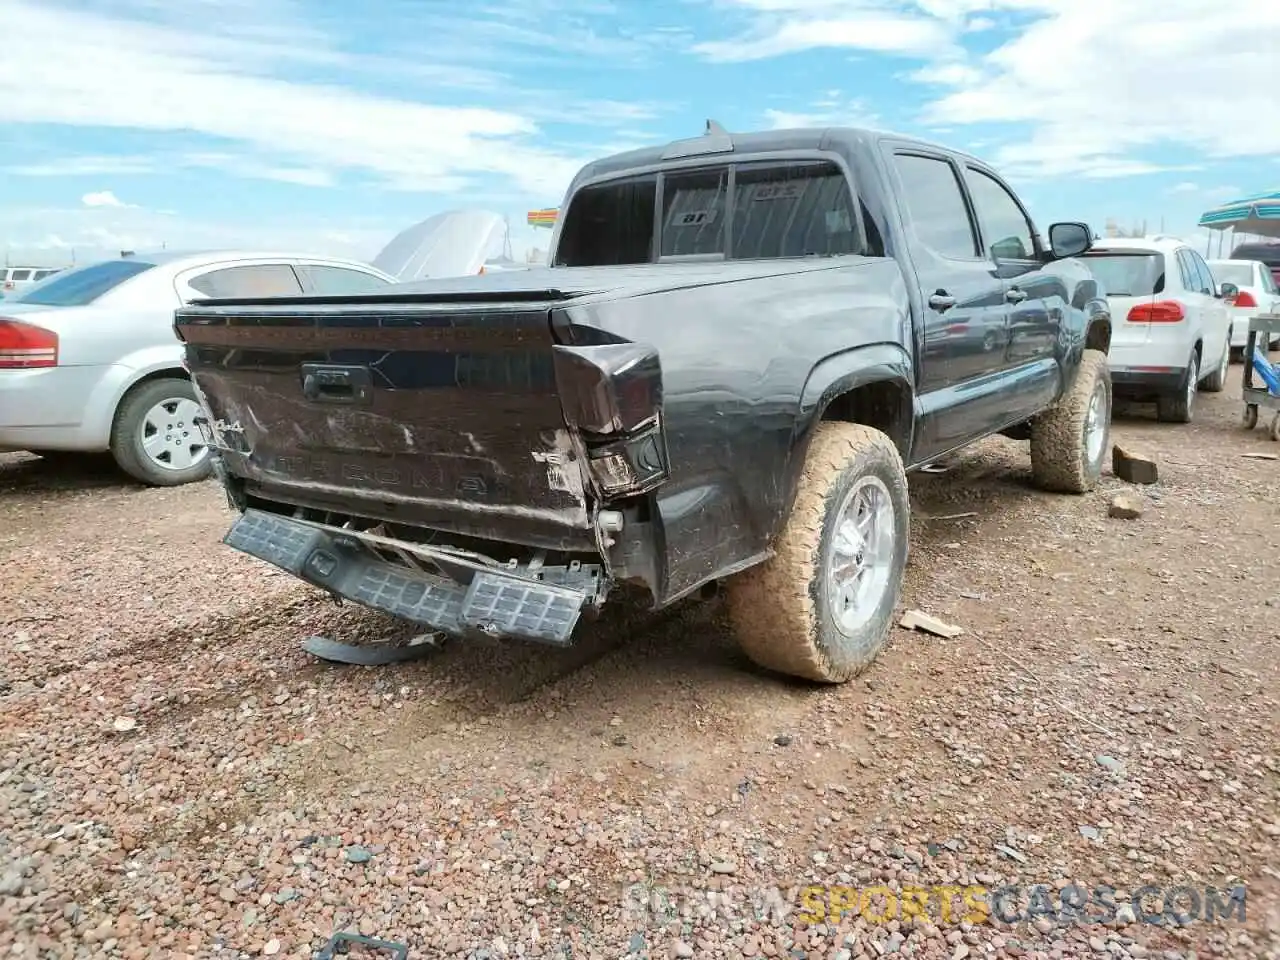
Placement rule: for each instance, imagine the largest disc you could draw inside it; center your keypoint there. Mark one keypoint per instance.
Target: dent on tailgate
(434, 405)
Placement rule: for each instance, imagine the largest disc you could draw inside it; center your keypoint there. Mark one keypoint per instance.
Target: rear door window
(251, 280)
(936, 210)
(1203, 275)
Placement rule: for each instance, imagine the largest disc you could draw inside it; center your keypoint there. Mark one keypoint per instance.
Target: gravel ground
(178, 779)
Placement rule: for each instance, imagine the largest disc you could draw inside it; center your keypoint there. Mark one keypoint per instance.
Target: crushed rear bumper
(454, 593)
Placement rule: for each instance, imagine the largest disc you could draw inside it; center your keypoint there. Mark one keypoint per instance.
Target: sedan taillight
(24, 346)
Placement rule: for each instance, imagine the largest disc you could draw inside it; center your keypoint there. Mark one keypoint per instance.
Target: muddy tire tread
(1057, 464)
(771, 606)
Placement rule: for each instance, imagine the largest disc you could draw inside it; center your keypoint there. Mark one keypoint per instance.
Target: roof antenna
(715, 130)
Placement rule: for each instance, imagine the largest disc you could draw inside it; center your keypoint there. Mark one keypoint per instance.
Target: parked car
(743, 345)
(1171, 332)
(89, 361)
(1266, 252)
(13, 280)
(1255, 292)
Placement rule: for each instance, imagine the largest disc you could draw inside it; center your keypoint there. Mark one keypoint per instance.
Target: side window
(796, 210)
(1187, 272)
(1268, 281)
(1205, 275)
(326, 281)
(1004, 225)
(20, 276)
(938, 215)
(693, 213)
(259, 280)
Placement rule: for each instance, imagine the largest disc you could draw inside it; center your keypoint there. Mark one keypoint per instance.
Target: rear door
(1216, 315)
(965, 323)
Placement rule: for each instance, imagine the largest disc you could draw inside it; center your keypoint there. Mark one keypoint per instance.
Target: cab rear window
(749, 211)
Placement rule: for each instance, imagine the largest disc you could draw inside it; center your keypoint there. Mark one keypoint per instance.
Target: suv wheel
(1069, 440)
(1176, 407)
(155, 439)
(821, 607)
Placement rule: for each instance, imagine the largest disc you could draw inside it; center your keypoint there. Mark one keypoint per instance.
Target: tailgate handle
(335, 383)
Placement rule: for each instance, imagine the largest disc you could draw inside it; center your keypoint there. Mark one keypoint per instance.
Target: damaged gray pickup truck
(741, 347)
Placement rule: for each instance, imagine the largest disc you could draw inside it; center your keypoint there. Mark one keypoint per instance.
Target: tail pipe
(612, 398)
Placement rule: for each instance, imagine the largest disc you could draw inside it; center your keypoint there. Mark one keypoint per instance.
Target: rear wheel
(1176, 407)
(1216, 382)
(155, 439)
(821, 608)
(1069, 440)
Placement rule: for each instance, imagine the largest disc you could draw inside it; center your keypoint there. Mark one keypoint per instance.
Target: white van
(13, 279)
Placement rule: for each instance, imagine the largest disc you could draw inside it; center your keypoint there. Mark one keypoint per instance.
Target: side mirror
(1228, 291)
(1069, 239)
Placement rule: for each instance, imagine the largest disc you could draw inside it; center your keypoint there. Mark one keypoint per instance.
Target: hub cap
(169, 436)
(1096, 420)
(859, 561)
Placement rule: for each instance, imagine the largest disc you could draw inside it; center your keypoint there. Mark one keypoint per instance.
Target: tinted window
(1268, 281)
(1004, 226)
(1200, 271)
(1128, 274)
(20, 275)
(41, 274)
(609, 224)
(797, 210)
(935, 206)
(1185, 273)
(75, 288)
(340, 281)
(693, 207)
(261, 280)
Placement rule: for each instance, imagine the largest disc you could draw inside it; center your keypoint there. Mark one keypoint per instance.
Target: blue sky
(328, 126)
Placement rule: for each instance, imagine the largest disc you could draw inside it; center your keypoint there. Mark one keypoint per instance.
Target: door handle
(942, 301)
(1014, 295)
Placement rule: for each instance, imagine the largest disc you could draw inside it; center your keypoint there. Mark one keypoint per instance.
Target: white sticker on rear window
(786, 190)
(692, 218)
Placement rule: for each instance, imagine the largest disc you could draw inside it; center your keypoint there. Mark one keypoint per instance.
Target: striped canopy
(1258, 215)
(543, 218)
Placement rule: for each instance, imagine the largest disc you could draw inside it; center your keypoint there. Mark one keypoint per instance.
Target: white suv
(15, 279)
(1171, 329)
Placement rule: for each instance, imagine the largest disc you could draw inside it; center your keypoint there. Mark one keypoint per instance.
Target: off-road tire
(1177, 407)
(779, 609)
(126, 447)
(1059, 451)
(1216, 382)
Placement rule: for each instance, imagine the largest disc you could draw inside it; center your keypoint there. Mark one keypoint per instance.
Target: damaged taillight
(612, 395)
(24, 346)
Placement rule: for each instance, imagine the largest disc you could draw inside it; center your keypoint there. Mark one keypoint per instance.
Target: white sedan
(89, 361)
(1257, 293)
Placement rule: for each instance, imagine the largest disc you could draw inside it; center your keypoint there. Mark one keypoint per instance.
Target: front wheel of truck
(1069, 440)
(822, 606)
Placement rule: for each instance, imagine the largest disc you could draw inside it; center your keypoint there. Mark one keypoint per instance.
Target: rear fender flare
(840, 374)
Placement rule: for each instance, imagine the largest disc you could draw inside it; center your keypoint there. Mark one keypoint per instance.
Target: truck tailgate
(446, 405)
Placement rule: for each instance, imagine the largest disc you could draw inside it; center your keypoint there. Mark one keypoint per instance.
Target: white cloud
(1185, 187)
(832, 110)
(1094, 84)
(103, 198)
(222, 85)
(867, 30)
